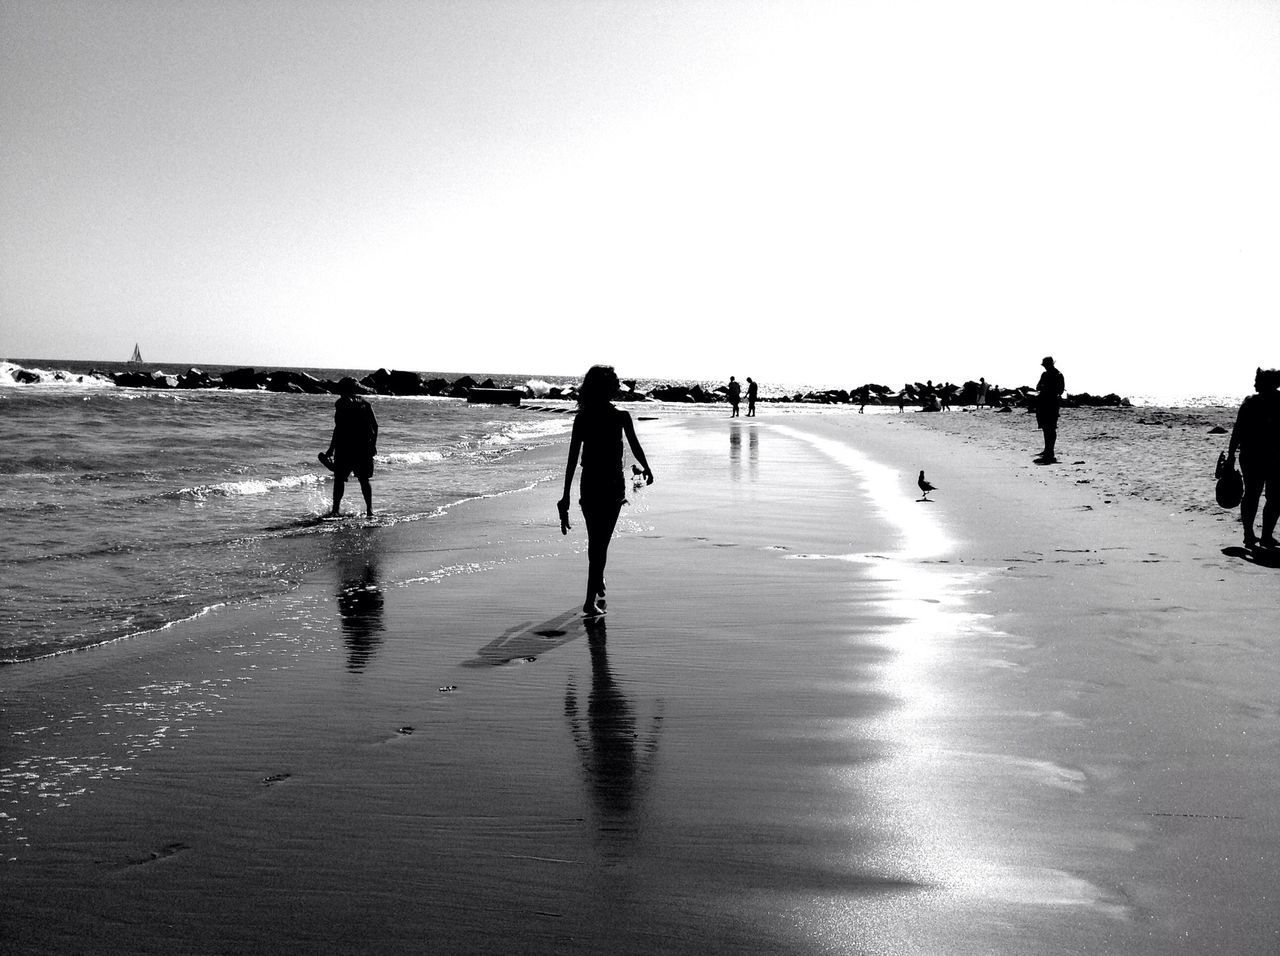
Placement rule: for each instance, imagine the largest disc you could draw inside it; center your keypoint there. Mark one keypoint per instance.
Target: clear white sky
(822, 192)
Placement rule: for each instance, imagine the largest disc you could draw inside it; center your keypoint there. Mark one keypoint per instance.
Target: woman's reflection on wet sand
(360, 606)
(617, 761)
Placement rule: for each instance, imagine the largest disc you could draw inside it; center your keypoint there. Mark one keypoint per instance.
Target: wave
(248, 486)
(44, 651)
(409, 457)
(13, 374)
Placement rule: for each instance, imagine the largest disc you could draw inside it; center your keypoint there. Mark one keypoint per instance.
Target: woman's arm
(575, 448)
(630, 431)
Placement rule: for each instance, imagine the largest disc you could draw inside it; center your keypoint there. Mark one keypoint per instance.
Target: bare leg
(1249, 507)
(601, 519)
(367, 490)
(339, 486)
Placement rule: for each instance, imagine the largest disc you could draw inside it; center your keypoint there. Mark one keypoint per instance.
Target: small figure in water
(1048, 400)
(353, 445)
(753, 392)
(1257, 436)
(598, 429)
(735, 395)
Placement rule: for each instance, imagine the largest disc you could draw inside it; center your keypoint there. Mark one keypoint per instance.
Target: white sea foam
(249, 486)
(9, 373)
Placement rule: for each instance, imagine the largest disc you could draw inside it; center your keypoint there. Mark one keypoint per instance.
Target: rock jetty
(398, 382)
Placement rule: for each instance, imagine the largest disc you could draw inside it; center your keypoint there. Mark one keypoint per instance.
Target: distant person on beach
(982, 392)
(1048, 400)
(735, 395)
(353, 445)
(598, 429)
(753, 390)
(1257, 437)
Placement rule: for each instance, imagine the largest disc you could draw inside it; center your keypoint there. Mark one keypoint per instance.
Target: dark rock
(436, 386)
(404, 383)
(494, 396)
(461, 386)
(24, 377)
(671, 393)
(195, 378)
(242, 378)
(379, 381)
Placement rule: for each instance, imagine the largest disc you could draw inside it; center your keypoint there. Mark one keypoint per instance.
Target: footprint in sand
(169, 849)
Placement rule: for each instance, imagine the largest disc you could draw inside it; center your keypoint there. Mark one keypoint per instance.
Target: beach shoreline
(821, 716)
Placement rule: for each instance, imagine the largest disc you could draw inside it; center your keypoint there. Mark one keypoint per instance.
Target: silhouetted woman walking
(598, 429)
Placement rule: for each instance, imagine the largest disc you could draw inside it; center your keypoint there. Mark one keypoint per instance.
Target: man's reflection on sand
(735, 451)
(360, 607)
(616, 760)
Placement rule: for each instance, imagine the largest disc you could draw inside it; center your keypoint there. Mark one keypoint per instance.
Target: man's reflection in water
(735, 451)
(753, 453)
(616, 760)
(360, 606)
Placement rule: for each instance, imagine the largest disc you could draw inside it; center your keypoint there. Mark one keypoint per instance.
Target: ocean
(127, 510)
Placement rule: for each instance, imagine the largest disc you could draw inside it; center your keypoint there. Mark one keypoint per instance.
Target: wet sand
(821, 717)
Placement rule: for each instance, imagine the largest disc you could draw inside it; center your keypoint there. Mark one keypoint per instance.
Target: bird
(924, 486)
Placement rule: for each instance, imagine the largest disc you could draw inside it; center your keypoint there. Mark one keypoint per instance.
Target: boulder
(494, 396)
(378, 381)
(436, 386)
(195, 378)
(670, 393)
(242, 378)
(404, 383)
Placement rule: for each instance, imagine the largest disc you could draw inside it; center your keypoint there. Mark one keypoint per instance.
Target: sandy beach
(1036, 714)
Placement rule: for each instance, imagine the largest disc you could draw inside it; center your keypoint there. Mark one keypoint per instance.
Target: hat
(1047, 360)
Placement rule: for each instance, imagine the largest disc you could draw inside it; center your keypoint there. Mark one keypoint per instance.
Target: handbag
(1230, 487)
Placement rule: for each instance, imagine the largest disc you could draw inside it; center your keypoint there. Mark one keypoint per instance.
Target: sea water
(126, 510)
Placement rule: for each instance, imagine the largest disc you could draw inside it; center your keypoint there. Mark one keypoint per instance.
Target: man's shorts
(344, 466)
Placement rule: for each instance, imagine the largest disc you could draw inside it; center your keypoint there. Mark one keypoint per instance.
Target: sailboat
(136, 357)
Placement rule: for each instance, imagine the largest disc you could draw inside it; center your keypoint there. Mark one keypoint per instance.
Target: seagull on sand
(924, 486)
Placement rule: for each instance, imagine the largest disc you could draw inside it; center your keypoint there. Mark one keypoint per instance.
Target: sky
(804, 192)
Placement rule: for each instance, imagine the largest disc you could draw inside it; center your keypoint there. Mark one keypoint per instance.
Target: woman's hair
(599, 385)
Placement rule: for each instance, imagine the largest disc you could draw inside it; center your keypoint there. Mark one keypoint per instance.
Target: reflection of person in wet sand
(353, 445)
(598, 430)
(616, 760)
(1256, 436)
(360, 607)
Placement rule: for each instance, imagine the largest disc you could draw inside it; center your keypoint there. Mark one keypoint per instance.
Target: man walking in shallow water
(353, 445)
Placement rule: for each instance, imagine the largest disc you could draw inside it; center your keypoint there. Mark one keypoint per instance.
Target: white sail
(137, 355)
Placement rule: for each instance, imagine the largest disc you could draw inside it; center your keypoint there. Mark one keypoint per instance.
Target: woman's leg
(601, 518)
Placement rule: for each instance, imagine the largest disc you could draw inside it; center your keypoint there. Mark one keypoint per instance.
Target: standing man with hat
(353, 445)
(1049, 391)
